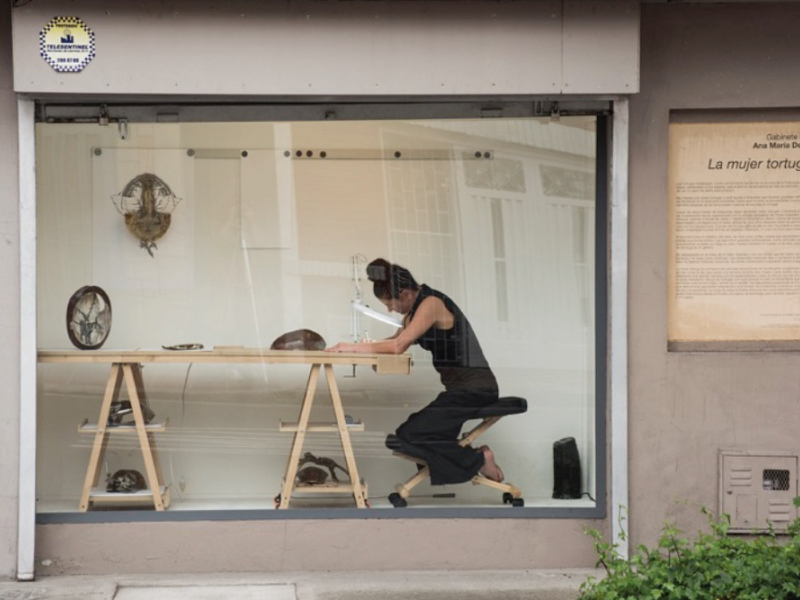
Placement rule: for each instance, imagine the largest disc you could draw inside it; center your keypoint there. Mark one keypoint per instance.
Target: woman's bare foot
(490, 469)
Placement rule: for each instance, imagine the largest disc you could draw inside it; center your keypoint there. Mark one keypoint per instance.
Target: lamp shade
(374, 314)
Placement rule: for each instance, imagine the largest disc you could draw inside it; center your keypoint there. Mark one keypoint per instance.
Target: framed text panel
(734, 218)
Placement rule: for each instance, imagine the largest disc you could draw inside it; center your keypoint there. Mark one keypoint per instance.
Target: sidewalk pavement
(390, 585)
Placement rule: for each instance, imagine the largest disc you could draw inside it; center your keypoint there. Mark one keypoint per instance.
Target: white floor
(319, 501)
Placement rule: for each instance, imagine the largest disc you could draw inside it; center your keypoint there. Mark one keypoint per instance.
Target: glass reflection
(497, 215)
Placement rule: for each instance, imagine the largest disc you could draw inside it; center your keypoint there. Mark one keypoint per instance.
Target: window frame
(68, 112)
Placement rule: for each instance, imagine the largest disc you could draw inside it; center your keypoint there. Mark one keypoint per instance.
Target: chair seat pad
(509, 405)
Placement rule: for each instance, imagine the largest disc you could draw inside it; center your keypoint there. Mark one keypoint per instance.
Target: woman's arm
(428, 313)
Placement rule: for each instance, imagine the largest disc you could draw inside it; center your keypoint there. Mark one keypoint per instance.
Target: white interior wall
(222, 447)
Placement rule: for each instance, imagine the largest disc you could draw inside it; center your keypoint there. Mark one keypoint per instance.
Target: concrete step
(375, 585)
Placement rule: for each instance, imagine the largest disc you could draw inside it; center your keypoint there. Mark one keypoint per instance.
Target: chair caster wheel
(507, 498)
(397, 500)
(277, 500)
(517, 502)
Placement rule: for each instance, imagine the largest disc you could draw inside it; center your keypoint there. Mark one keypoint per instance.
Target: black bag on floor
(566, 470)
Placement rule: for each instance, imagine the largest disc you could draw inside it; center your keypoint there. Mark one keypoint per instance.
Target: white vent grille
(757, 489)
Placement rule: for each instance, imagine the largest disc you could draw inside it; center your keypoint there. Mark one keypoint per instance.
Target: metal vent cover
(757, 489)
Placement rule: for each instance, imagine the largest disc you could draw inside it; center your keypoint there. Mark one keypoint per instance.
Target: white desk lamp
(396, 322)
(361, 309)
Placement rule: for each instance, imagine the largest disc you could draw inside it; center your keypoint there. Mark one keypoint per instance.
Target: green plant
(714, 566)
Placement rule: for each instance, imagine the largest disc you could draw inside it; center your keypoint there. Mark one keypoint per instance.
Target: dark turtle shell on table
(299, 339)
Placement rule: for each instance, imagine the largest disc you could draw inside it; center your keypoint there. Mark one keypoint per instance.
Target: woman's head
(390, 281)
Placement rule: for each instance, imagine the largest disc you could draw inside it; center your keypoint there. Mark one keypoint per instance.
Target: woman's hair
(389, 280)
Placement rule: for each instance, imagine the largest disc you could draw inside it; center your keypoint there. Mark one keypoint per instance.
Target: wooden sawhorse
(158, 494)
(127, 365)
(356, 486)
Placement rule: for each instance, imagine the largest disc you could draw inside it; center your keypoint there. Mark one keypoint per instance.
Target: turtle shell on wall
(146, 202)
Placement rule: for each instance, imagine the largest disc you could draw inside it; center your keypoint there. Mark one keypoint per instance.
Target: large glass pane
(229, 235)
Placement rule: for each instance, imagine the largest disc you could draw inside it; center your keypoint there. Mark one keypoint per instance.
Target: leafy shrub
(715, 566)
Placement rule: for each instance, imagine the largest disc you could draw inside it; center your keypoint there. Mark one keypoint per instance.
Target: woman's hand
(431, 313)
(344, 347)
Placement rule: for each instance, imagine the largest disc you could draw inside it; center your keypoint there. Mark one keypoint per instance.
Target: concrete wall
(350, 48)
(685, 406)
(9, 306)
(309, 545)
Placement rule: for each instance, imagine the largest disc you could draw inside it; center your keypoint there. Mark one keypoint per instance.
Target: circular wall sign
(66, 44)
(89, 317)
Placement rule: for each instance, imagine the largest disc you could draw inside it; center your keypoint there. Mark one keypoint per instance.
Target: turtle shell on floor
(126, 481)
(312, 476)
(299, 339)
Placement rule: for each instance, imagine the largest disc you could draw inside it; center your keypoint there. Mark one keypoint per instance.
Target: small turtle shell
(312, 476)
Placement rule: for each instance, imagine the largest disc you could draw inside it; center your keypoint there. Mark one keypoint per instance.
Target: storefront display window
(241, 239)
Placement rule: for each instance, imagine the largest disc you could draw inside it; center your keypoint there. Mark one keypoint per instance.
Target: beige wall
(685, 406)
(342, 48)
(307, 545)
(9, 307)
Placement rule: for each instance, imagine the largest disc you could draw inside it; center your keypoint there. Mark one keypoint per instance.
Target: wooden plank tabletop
(382, 363)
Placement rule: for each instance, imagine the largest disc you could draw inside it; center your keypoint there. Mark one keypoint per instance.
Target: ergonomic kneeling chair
(489, 415)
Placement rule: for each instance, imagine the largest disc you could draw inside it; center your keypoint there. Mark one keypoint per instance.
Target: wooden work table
(126, 365)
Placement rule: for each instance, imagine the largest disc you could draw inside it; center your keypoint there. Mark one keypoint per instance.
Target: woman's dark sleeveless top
(457, 355)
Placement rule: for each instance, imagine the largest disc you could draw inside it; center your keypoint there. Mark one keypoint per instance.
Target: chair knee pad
(393, 442)
(398, 444)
